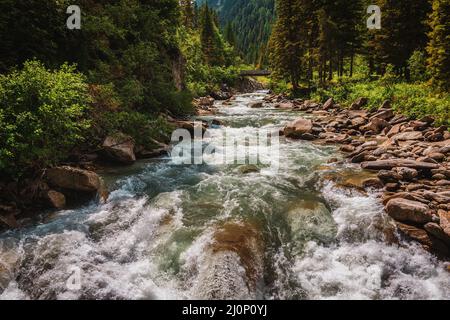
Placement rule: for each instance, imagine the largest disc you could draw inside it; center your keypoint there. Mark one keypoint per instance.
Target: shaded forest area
(326, 49)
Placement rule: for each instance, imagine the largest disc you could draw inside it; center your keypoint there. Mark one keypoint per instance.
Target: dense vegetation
(251, 21)
(62, 91)
(325, 47)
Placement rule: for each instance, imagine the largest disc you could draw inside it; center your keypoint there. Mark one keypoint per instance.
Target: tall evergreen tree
(439, 44)
(403, 31)
(287, 42)
(211, 40)
(230, 36)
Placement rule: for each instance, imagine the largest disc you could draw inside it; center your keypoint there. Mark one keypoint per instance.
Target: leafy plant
(42, 115)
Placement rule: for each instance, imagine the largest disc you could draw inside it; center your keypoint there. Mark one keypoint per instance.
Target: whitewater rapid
(173, 231)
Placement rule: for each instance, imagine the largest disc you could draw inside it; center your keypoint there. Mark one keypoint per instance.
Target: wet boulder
(329, 104)
(56, 199)
(76, 179)
(256, 105)
(406, 174)
(119, 148)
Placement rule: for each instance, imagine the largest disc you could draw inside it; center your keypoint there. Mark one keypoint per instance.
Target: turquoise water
(173, 231)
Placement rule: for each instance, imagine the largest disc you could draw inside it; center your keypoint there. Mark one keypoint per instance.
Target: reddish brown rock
(392, 163)
(408, 211)
(298, 127)
(56, 199)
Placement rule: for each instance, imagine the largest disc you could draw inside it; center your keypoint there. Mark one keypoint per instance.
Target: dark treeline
(318, 40)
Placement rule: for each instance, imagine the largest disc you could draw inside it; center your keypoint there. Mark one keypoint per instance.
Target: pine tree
(230, 37)
(402, 32)
(439, 44)
(212, 45)
(287, 42)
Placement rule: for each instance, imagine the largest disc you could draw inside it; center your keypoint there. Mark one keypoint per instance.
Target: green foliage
(201, 77)
(403, 31)
(143, 128)
(287, 43)
(413, 100)
(439, 44)
(253, 20)
(417, 64)
(42, 115)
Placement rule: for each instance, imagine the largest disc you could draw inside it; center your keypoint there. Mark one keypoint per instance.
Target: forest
(319, 168)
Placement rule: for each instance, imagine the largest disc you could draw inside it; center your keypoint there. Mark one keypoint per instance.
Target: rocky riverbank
(410, 159)
(76, 181)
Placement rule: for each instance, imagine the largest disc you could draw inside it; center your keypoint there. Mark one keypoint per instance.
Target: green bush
(412, 100)
(41, 116)
(144, 128)
(417, 64)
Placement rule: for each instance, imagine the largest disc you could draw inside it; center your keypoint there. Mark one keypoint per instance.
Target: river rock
(298, 127)
(256, 105)
(430, 242)
(388, 176)
(406, 174)
(405, 136)
(384, 114)
(119, 148)
(436, 230)
(375, 125)
(444, 218)
(358, 122)
(249, 168)
(329, 104)
(56, 199)
(206, 101)
(392, 163)
(66, 177)
(359, 103)
(408, 211)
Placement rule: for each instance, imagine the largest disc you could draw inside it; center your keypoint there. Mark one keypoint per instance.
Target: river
(171, 231)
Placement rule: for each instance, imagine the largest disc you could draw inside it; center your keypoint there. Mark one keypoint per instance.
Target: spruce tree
(287, 42)
(402, 32)
(212, 45)
(439, 44)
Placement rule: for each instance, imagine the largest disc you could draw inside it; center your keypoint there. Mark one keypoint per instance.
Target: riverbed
(224, 231)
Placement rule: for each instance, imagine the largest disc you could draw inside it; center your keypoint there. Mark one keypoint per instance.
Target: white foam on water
(360, 265)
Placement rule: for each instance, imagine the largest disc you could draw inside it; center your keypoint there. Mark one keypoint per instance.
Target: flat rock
(405, 136)
(392, 163)
(408, 211)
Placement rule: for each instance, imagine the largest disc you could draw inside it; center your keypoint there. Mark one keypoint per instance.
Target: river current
(171, 231)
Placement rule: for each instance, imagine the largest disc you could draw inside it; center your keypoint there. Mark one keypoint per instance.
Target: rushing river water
(219, 232)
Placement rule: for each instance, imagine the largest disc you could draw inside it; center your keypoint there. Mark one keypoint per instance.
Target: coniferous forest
(102, 197)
